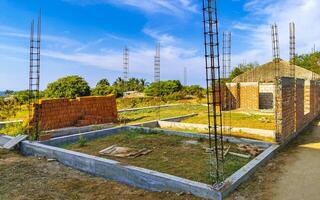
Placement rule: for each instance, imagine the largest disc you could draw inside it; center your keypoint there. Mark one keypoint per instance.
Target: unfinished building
(255, 89)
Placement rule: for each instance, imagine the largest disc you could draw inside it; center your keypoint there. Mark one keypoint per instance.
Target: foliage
(309, 61)
(102, 90)
(22, 97)
(8, 92)
(195, 90)
(68, 87)
(82, 141)
(133, 84)
(15, 129)
(103, 82)
(163, 88)
(8, 108)
(242, 69)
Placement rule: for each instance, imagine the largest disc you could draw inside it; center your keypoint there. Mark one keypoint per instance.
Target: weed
(82, 141)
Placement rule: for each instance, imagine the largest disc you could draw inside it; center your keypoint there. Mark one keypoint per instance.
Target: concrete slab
(14, 141)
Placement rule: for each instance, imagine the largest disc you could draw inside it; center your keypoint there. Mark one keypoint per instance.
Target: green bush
(14, 129)
(8, 108)
(102, 90)
(82, 141)
(68, 87)
(163, 88)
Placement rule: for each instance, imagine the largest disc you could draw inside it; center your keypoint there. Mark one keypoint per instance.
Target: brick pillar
(299, 104)
(285, 101)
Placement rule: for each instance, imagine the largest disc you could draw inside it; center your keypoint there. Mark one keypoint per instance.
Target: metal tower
(185, 76)
(157, 78)
(125, 67)
(34, 79)
(212, 62)
(292, 31)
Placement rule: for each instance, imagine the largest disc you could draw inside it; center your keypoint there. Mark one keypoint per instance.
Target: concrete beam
(113, 170)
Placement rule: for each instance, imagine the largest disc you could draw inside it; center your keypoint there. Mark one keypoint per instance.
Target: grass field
(170, 154)
(238, 119)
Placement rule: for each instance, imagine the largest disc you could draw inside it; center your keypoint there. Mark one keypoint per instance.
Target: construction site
(231, 145)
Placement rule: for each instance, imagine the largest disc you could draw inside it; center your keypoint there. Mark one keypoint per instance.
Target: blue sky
(86, 37)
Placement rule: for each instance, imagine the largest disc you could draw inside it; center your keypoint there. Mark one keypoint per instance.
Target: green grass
(170, 154)
(238, 119)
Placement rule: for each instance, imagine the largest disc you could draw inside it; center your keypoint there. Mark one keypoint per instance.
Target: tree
(165, 88)
(68, 87)
(309, 61)
(193, 90)
(133, 84)
(22, 97)
(102, 90)
(242, 69)
(103, 82)
(8, 108)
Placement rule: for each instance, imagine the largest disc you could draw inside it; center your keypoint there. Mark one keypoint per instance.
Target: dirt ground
(23, 178)
(293, 174)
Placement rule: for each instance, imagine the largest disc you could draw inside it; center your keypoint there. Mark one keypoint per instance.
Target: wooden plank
(12, 143)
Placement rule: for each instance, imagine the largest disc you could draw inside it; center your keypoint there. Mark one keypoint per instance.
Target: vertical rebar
(34, 81)
(214, 97)
(276, 62)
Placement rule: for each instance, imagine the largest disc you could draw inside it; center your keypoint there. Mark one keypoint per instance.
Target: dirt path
(23, 178)
(293, 174)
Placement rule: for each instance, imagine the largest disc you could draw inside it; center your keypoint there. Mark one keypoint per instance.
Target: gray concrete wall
(113, 170)
(203, 127)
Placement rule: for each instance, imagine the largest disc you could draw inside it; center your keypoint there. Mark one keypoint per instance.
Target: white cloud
(171, 7)
(163, 38)
(304, 13)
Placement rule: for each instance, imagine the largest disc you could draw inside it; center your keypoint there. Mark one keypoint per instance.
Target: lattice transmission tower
(214, 103)
(34, 79)
(185, 76)
(125, 68)
(157, 74)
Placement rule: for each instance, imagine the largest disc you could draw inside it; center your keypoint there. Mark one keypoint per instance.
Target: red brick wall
(61, 113)
(299, 103)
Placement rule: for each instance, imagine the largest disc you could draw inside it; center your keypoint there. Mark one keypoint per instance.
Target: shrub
(163, 88)
(68, 87)
(82, 141)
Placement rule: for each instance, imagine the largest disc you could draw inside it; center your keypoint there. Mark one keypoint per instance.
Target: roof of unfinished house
(265, 73)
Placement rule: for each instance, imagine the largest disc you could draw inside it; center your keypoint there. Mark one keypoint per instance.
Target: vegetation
(8, 108)
(238, 119)
(242, 69)
(309, 61)
(68, 87)
(15, 129)
(163, 88)
(82, 141)
(170, 154)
